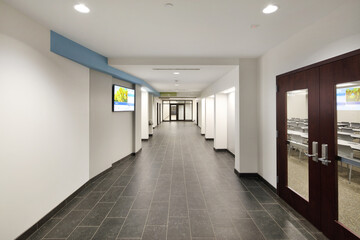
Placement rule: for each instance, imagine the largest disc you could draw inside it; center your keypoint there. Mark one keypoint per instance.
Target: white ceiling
(197, 28)
(188, 80)
(189, 29)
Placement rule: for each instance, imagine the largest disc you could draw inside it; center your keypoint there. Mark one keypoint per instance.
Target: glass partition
(166, 113)
(348, 151)
(188, 111)
(181, 113)
(297, 142)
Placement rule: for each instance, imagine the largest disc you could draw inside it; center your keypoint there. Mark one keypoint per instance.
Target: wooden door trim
(321, 63)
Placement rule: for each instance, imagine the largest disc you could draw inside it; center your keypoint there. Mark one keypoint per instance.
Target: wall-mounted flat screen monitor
(348, 98)
(123, 99)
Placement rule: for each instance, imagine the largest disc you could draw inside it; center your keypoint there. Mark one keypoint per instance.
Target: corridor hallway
(177, 187)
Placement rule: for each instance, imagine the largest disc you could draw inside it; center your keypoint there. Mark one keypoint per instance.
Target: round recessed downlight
(270, 9)
(176, 73)
(81, 8)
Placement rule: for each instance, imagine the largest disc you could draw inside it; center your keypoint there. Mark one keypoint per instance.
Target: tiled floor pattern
(177, 188)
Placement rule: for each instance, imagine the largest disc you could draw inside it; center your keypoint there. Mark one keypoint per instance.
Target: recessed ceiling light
(81, 8)
(270, 9)
(176, 73)
(169, 5)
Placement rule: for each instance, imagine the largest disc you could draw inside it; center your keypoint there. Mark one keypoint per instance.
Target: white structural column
(144, 114)
(220, 116)
(151, 113)
(231, 122)
(137, 127)
(237, 122)
(203, 110)
(248, 117)
(209, 117)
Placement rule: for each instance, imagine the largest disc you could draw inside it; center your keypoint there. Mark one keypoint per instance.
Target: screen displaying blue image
(123, 99)
(348, 98)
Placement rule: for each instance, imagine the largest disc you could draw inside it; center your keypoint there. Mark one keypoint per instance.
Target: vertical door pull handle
(324, 154)
(314, 155)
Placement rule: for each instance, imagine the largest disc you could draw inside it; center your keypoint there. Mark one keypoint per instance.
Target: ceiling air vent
(176, 69)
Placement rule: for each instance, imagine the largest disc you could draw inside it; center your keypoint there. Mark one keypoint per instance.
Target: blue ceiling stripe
(84, 56)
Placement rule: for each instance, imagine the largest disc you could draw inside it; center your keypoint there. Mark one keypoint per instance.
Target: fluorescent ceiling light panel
(81, 8)
(176, 73)
(270, 9)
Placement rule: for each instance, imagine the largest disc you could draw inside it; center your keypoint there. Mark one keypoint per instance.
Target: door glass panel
(166, 114)
(173, 113)
(348, 151)
(181, 112)
(297, 136)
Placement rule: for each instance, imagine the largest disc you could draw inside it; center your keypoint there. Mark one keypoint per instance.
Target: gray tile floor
(177, 188)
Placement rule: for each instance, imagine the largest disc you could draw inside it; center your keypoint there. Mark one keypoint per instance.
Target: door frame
(177, 110)
(185, 101)
(307, 79)
(339, 69)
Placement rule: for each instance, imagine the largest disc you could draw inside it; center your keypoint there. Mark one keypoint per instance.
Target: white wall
(44, 126)
(335, 34)
(111, 133)
(137, 128)
(248, 97)
(155, 111)
(203, 112)
(195, 101)
(297, 106)
(348, 116)
(244, 79)
(224, 83)
(231, 122)
(151, 113)
(209, 117)
(220, 135)
(230, 80)
(144, 115)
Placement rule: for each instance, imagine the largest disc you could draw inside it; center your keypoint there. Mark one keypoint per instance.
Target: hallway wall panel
(111, 133)
(220, 137)
(44, 126)
(144, 115)
(209, 118)
(231, 122)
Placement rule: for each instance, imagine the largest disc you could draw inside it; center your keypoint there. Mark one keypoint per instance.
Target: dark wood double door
(309, 145)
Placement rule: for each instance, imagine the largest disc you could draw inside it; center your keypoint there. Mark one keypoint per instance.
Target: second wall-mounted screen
(123, 99)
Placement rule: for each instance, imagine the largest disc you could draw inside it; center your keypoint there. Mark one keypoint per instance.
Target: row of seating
(348, 141)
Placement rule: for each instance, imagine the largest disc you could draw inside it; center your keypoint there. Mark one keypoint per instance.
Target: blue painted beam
(88, 58)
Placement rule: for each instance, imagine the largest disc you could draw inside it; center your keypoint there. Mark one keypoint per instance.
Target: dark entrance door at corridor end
(318, 147)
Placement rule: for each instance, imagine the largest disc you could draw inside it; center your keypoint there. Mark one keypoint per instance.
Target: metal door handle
(324, 153)
(314, 155)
